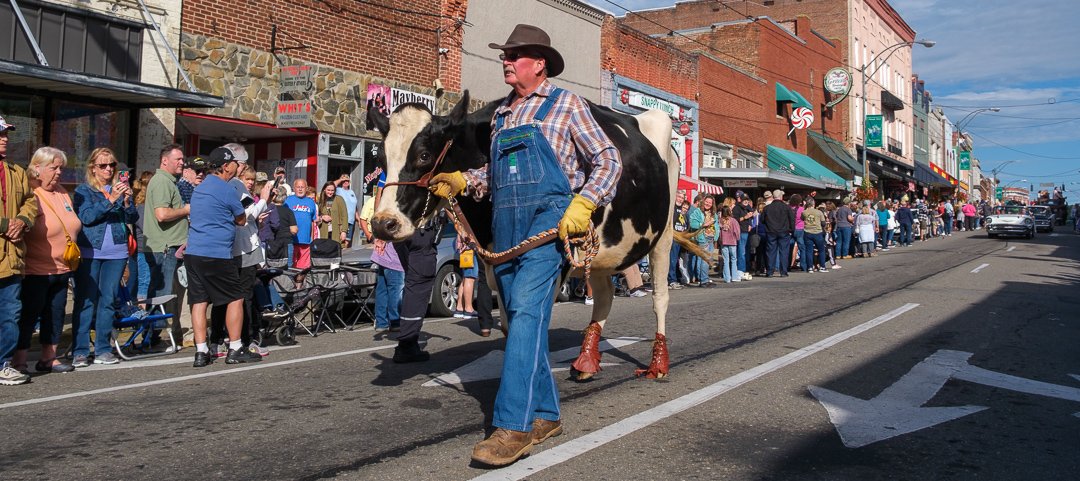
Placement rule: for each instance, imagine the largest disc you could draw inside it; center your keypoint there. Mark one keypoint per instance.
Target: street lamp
(971, 116)
(994, 173)
(866, 77)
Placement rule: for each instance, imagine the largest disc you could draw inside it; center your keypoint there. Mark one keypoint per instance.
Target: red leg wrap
(589, 359)
(658, 367)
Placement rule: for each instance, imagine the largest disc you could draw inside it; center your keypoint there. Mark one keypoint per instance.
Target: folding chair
(360, 291)
(326, 273)
(299, 294)
(132, 322)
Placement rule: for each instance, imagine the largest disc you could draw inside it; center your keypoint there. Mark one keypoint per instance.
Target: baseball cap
(219, 157)
(261, 177)
(195, 162)
(4, 126)
(239, 152)
(767, 195)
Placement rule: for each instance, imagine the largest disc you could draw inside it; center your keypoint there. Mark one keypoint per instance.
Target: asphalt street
(952, 359)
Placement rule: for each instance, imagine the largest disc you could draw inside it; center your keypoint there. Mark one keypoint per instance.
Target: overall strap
(546, 107)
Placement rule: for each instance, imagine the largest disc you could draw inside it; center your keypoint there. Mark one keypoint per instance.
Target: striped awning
(690, 183)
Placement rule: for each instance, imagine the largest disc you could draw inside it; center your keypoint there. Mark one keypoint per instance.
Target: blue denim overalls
(530, 193)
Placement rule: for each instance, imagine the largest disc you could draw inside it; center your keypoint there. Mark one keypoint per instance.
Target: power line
(1006, 147)
(1050, 101)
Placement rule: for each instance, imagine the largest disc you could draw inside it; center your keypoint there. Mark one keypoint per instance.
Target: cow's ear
(377, 119)
(461, 110)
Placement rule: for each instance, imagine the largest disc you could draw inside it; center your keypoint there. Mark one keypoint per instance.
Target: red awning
(690, 183)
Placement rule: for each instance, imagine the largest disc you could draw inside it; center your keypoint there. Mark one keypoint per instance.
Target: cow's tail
(686, 240)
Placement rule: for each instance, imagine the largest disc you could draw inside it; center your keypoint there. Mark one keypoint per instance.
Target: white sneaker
(638, 293)
(588, 301)
(674, 286)
(10, 377)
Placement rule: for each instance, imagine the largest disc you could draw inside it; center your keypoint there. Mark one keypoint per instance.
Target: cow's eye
(425, 157)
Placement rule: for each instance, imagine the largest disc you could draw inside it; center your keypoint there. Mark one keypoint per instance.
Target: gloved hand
(448, 184)
(575, 220)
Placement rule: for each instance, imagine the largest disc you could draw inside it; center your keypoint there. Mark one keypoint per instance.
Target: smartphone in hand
(124, 176)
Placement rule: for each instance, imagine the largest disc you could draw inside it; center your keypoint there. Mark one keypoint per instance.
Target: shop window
(26, 113)
(748, 159)
(78, 128)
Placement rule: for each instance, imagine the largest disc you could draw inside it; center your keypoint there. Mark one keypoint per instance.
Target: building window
(717, 156)
(749, 159)
(77, 128)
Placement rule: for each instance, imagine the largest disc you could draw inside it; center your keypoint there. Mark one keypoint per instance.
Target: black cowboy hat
(528, 36)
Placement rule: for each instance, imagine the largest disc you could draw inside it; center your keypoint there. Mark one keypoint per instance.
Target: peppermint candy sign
(802, 117)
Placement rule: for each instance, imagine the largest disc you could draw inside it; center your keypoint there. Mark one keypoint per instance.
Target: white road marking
(898, 409)
(160, 362)
(576, 447)
(231, 370)
(977, 269)
(1010, 249)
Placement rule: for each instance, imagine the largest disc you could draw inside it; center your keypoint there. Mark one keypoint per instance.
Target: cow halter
(423, 181)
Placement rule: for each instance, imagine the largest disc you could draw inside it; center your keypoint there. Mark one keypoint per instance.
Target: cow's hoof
(588, 362)
(581, 376)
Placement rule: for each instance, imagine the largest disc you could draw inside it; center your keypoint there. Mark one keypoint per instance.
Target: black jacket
(779, 218)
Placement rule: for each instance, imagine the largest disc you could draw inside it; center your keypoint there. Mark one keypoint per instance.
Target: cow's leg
(659, 261)
(588, 362)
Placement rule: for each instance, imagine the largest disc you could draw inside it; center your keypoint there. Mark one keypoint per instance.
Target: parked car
(1010, 220)
(447, 276)
(1044, 217)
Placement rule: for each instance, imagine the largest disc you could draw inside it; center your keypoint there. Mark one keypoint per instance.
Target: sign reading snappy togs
(638, 99)
(295, 78)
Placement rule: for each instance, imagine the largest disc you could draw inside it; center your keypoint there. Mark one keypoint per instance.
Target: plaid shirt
(574, 136)
(186, 189)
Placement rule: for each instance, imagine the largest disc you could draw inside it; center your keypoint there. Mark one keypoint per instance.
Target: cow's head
(413, 140)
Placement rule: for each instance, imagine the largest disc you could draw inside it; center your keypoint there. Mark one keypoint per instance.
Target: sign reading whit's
(294, 114)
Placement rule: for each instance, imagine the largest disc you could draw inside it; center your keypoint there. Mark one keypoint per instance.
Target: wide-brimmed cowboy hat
(531, 37)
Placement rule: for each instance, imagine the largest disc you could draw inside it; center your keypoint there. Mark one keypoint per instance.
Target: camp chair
(133, 323)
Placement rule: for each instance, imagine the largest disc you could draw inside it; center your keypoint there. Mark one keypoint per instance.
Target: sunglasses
(111, 165)
(514, 55)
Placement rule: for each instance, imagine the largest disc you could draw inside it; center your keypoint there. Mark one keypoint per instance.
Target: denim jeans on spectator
(139, 276)
(816, 241)
(905, 234)
(702, 267)
(673, 270)
(779, 253)
(740, 252)
(843, 241)
(800, 242)
(731, 266)
(389, 285)
(44, 298)
(162, 267)
(10, 311)
(887, 234)
(96, 283)
(947, 220)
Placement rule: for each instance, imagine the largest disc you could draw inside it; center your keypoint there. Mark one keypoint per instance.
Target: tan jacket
(18, 202)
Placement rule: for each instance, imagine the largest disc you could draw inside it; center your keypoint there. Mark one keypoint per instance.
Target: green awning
(784, 94)
(803, 166)
(835, 150)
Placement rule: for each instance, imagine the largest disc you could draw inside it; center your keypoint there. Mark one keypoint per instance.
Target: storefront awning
(835, 151)
(784, 94)
(803, 166)
(101, 89)
(887, 167)
(690, 183)
(926, 176)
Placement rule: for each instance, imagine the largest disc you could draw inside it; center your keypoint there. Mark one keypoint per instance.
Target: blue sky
(1022, 57)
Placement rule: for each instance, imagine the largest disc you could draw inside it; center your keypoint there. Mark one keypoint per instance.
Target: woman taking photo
(333, 217)
(105, 208)
(45, 277)
(703, 216)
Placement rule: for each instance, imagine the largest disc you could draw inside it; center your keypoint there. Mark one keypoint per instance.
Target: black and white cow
(635, 224)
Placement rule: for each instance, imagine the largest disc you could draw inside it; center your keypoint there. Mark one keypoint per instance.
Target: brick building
(865, 28)
(297, 76)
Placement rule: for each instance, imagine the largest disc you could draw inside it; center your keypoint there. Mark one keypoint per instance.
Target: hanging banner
(385, 98)
(873, 131)
(965, 160)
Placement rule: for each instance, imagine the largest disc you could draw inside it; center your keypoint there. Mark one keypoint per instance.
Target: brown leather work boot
(502, 447)
(542, 429)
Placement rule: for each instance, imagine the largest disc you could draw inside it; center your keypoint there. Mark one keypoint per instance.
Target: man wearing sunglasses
(546, 133)
(19, 208)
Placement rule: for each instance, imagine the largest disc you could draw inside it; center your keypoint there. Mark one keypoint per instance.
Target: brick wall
(634, 55)
(732, 106)
(398, 43)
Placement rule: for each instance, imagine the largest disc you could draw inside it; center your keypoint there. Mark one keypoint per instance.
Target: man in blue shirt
(305, 210)
(213, 272)
(344, 189)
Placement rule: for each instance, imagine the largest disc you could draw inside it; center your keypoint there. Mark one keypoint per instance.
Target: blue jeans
(884, 235)
(905, 234)
(44, 299)
(741, 252)
(161, 267)
(139, 274)
(673, 271)
(800, 241)
(702, 267)
(947, 220)
(96, 283)
(842, 237)
(731, 268)
(10, 312)
(816, 241)
(779, 253)
(389, 285)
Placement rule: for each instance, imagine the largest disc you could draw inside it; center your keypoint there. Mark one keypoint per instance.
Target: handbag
(466, 259)
(133, 245)
(72, 254)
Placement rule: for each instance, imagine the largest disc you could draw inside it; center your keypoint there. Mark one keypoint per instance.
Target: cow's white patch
(405, 124)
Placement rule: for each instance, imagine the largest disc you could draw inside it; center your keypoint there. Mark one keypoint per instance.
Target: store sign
(296, 78)
(740, 183)
(401, 97)
(386, 99)
(838, 81)
(965, 160)
(873, 131)
(640, 100)
(294, 114)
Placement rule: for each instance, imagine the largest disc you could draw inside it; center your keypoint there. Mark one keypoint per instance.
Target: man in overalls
(542, 139)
